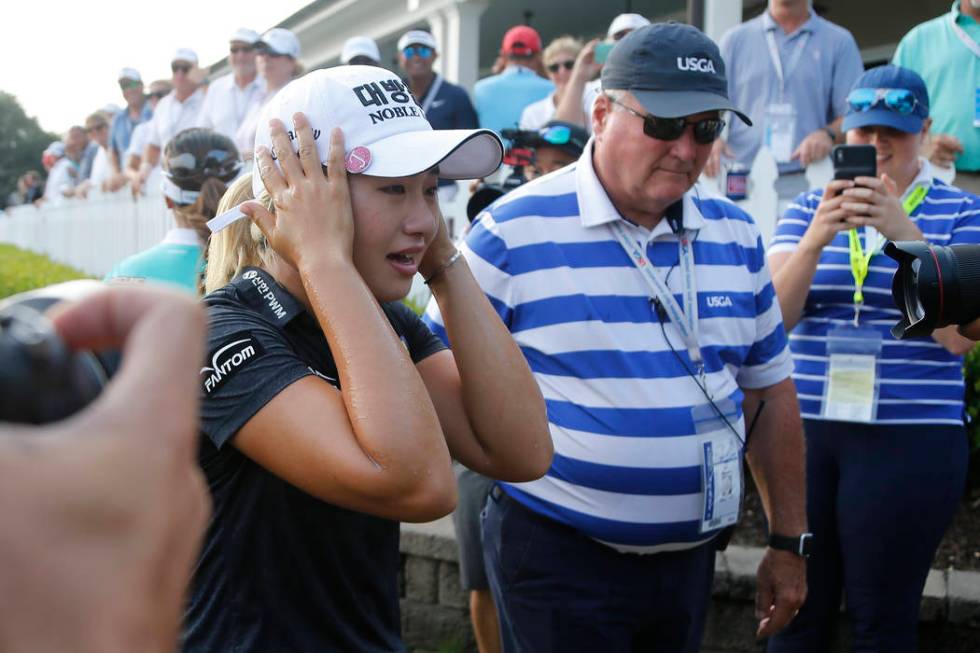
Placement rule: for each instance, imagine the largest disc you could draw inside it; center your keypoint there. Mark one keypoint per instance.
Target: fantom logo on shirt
(228, 359)
(695, 63)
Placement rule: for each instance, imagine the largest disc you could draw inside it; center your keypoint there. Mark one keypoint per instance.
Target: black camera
(41, 379)
(518, 156)
(934, 286)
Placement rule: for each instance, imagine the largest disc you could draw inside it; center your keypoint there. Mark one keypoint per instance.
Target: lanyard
(778, 64)
(685, 319)
(963, 36)
(861, 258)
(433, 92)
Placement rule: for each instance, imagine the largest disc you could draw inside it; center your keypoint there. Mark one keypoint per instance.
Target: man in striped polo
(646, 312)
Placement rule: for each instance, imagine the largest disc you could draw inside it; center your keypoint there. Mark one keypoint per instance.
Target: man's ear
(170, 202)
(601, 109)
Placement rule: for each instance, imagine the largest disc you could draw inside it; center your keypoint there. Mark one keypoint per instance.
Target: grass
(21, 270)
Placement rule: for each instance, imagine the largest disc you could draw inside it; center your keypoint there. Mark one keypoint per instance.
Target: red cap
(521, 40)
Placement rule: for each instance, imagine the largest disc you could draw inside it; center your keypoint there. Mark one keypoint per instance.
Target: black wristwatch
(801, 545)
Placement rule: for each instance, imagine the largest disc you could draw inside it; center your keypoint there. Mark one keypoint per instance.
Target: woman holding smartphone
(886, 445)
(330, 412)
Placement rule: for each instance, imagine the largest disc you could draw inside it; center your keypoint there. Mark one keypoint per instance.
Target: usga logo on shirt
(719, 301)
(695, 63)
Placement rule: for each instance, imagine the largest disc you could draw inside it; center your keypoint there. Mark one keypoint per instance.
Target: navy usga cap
(674, 70)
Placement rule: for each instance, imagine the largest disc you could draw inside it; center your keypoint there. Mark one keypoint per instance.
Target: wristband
(443, 267)
(830, 132)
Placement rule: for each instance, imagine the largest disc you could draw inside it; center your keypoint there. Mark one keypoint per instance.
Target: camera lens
(934, 286)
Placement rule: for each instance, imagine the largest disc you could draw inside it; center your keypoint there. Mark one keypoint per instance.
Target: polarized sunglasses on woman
(126, 84)
(900, 100)
(706, 130)
(555, 67)
(180, 68)
(420, 51)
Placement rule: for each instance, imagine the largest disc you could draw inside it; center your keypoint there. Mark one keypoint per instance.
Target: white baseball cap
(416, 37)
(129, 73)
(360, 46)
(626, 21)
(245, 35)
(184, 54)
(385, 131)
(281, 41)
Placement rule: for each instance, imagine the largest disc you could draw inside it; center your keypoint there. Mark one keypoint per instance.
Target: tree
(21, 143)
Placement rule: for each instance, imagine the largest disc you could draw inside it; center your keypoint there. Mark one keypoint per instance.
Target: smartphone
(602, 51)
(852, 161)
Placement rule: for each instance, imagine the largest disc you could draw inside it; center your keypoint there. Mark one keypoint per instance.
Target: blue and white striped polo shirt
(921, 382)
(627, 465)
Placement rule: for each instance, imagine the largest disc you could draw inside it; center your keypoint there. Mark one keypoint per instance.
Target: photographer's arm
(376, 446)
(488, 401)
(104, 512)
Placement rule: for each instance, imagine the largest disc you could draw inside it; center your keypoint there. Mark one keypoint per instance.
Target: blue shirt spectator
(122, 129)
(819, 61)
(500, 99)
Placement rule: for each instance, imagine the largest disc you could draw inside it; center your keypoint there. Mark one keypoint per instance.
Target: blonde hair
(239, 245)
(561, 44)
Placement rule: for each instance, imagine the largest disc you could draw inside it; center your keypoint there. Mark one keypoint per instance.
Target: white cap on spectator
(626, 21)
(130, 73)
(360, 46)
(245, 35)
(281, 41)
(111, 109)
(184, 54)
(56, 148)
(385, 131)
(416, 37)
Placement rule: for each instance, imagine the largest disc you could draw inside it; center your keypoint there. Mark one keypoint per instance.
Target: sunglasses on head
(900, 100)
(556, 135)
(235, 49)
(126, 84)
(420, 51)
(706, 130)
(555, 67)
(158, 94)
(180, 68)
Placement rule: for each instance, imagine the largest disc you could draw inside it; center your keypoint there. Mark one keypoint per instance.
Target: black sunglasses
(235, 49)
(180, 67)
(126, 84)
(555, 67)
(706, 130)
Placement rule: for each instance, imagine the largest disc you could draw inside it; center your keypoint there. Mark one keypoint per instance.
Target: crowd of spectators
(650, 399)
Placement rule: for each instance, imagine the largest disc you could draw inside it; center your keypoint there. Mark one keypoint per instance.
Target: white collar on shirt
(924, 178)
(595, 207)
(181, 236)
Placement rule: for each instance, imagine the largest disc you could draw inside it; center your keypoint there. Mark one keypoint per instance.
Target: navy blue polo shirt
(449, 107)
(281, 570)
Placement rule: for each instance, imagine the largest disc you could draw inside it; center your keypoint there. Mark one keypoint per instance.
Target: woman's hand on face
(830, 216)
(440, 250)
(313, 215)
(877, 202)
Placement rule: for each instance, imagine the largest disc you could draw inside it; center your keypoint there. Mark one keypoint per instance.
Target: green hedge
(971, 370)
(21, 270)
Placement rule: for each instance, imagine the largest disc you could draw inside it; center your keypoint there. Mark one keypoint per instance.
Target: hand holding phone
(852, 161)
(602, 51)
